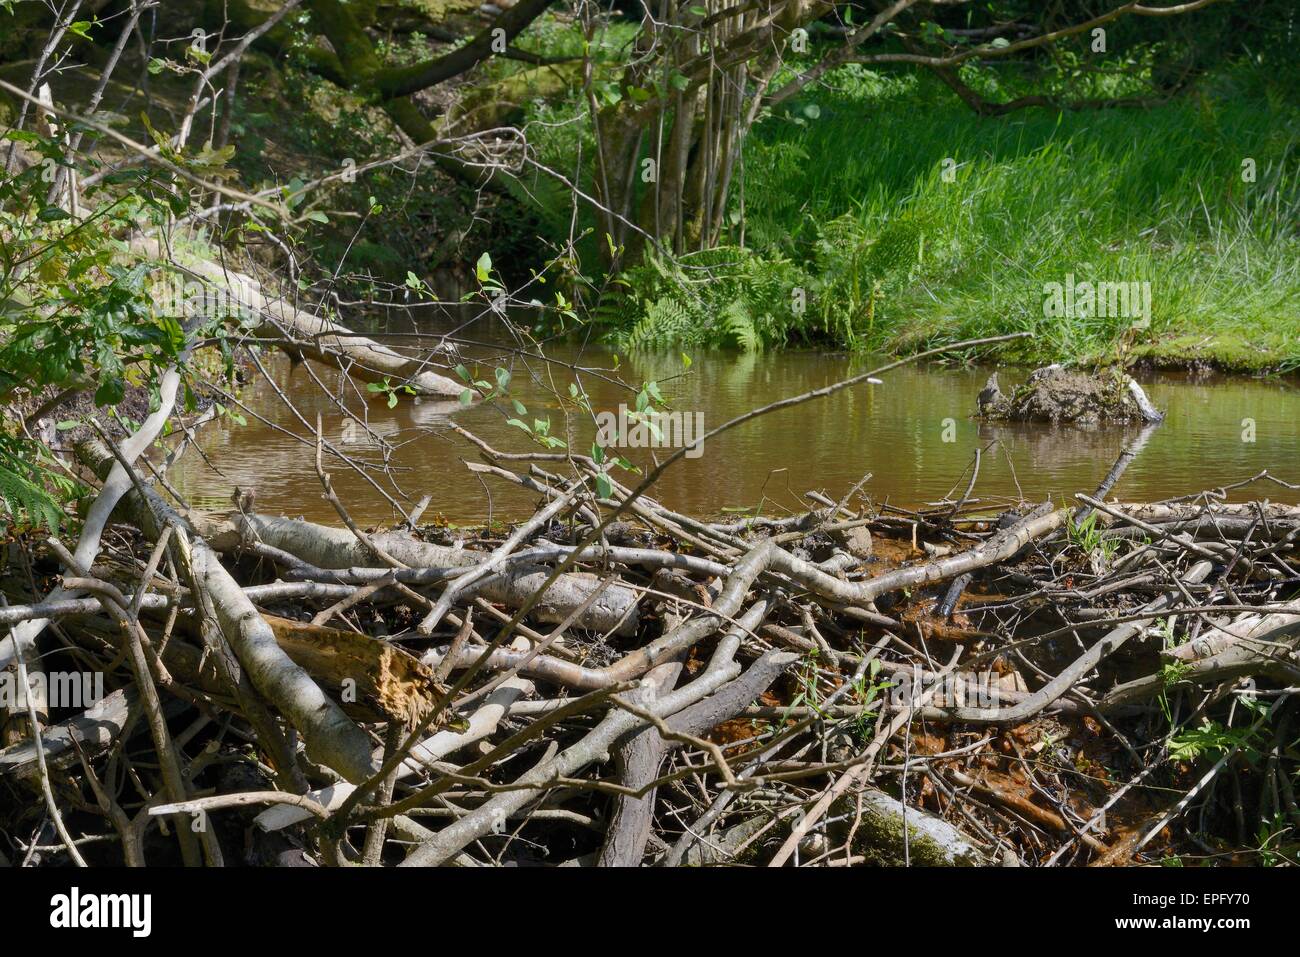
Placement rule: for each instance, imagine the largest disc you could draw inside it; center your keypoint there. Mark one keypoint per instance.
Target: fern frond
(739, 326)
(666, 322)
(22, 501)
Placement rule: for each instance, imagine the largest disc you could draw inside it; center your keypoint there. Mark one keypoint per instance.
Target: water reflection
(914, 435)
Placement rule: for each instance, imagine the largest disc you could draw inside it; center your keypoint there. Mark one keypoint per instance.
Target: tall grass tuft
(854, 190)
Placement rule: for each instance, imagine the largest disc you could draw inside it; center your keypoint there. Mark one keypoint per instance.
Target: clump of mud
(1062, 396)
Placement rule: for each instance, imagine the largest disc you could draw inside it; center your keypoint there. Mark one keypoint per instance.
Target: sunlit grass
(1134, 195)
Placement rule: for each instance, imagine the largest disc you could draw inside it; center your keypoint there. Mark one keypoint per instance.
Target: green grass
(852, 190)
(844, 198)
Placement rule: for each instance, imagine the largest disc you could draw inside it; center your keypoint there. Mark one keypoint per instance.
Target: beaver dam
(612, 682)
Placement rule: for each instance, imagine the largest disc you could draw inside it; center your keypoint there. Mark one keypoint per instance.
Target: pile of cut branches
(1103, 683)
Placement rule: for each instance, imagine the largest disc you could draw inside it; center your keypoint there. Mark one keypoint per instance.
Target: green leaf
(604, 488)
(519, 407)
(519, 425)
(597, 454)
(111, 391)
(316, 216)
(1001, 43)
(483, 269)
(466, 397)
(52, 214)
(294, 192)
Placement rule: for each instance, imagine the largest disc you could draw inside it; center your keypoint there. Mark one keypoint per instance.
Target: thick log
(930, 841)
(631, 818)
(1251, 645)
(1196, 512)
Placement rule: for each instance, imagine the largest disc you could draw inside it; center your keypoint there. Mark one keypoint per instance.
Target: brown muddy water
(914, 434)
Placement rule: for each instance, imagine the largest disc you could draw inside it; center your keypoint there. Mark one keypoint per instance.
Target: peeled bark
(315, 337)
(481, 724)
(374, 677)
(614, 609)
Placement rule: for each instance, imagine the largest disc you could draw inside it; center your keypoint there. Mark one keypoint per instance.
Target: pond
(914, 434)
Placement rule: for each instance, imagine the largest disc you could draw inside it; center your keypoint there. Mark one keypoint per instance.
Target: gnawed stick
(94, 730)
(331, 737)
(592, 746)
(998, 548)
